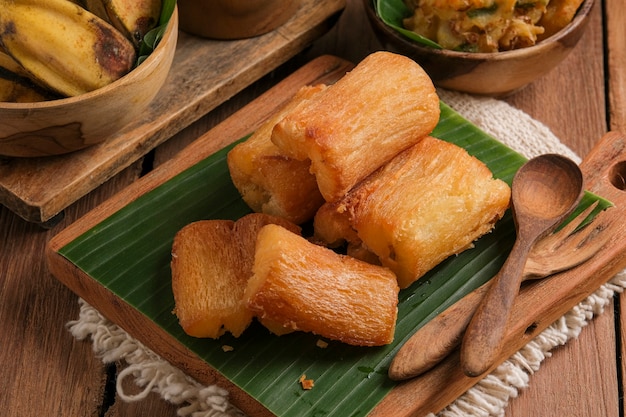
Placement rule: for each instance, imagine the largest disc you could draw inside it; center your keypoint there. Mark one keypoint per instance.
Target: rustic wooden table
(45, 372)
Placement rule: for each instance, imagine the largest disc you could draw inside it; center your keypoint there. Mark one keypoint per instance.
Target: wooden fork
(564, 249)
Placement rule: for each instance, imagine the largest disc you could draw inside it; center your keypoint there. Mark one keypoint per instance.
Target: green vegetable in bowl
(477, 25)
(393, 12)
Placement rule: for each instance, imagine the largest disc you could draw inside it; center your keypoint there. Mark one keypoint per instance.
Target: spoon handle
(485, 333)
(434, 341)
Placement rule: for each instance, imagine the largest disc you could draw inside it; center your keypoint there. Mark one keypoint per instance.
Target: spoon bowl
(545, 188)
(544, 192)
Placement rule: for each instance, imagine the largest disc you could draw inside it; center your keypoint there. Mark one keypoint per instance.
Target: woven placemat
(488, 398)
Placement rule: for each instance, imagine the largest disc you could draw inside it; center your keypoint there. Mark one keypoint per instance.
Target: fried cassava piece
(271, 182)
(302, 286)
(211, 264)
(428, 203)
(384, 105)
(357, 156)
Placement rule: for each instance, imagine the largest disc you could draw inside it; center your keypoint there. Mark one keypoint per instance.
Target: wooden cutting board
(539, 304)
(205, 73)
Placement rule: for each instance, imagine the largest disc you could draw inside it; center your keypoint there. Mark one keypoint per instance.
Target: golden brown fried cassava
(384, 105)
(430, 202)
(271, 182)
(211, 264)
(301, 286)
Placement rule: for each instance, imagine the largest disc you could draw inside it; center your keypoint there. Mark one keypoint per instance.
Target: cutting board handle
(605, 168)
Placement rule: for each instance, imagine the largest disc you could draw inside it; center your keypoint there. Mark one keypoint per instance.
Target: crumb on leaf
(306, 384)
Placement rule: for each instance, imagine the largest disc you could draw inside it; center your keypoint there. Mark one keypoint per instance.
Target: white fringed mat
(488, 398)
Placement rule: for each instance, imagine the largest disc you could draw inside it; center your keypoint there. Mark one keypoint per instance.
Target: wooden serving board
(205, 73)
(542, 302)
(539, 304)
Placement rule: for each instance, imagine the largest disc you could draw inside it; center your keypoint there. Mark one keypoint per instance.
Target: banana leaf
(129, 253)
(392, 12)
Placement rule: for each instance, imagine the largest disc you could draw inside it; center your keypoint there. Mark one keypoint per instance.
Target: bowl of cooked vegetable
(486, 47)
(72, 77)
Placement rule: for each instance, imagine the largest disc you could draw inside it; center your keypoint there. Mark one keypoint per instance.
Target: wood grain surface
(45, 372)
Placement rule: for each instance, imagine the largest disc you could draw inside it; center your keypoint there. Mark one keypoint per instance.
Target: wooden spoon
(544, 192)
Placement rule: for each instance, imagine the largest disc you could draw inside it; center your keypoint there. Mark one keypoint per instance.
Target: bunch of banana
(66, 48)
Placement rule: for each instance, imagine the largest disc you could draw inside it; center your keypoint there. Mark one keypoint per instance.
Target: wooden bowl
(61, 126)
(492, 74)
(234, 19)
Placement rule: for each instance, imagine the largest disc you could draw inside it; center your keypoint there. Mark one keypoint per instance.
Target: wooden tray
(534, 311)
(205, 73)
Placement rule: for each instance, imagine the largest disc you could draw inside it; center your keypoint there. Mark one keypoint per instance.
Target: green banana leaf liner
(129, 253)
(392, 12)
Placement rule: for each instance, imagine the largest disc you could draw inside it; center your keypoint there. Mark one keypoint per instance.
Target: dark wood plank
(46, 372)
(579, 379)
(570, 101)
(616, 84)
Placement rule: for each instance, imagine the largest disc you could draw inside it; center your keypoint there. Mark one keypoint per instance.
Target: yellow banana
(9, 64)
(16, 85)
(13, 91)
(134, 18)
(65, 47)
